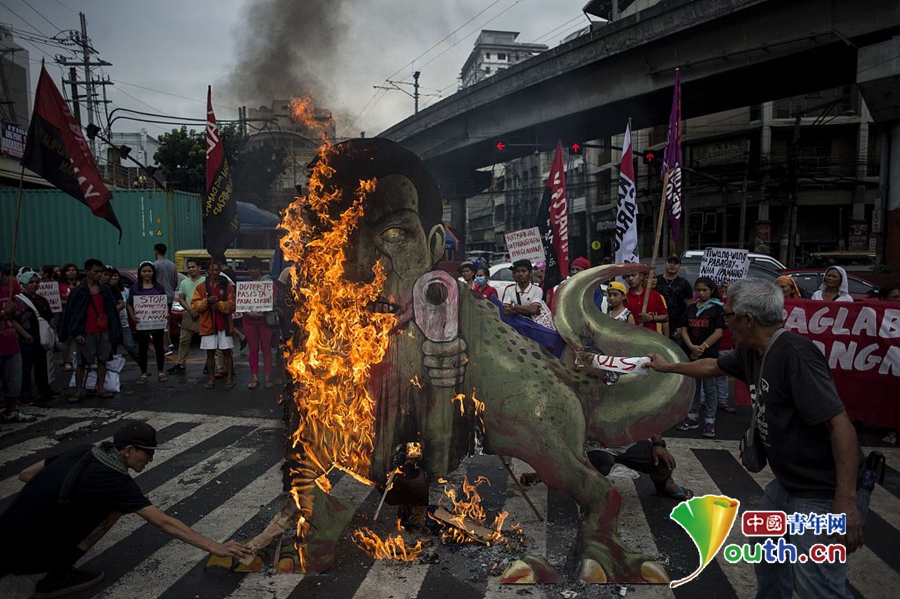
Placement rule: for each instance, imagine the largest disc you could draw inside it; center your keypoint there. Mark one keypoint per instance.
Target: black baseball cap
(674, 258)
(137, 434)
(519, 263)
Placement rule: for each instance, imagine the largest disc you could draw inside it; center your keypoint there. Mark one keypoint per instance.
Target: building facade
(495, 51)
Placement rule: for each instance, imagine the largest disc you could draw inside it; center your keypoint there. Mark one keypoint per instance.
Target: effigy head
(400, 227)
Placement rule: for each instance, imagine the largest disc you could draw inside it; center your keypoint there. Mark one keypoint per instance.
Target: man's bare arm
(700, 369)
(27, 474)
(180, 530)
(845, 448)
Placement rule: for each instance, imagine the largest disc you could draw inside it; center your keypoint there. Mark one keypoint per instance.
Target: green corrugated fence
(55, 228)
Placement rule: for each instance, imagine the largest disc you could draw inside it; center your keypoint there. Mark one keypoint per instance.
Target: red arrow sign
(576, 148)
(500, 145)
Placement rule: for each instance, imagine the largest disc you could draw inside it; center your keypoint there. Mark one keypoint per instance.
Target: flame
(340, 340)
(468, 507)
(415, 381)
(303, 111)
(392, 548)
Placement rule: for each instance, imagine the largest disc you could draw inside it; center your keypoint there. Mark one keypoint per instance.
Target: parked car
(810, 279)
(849, 261)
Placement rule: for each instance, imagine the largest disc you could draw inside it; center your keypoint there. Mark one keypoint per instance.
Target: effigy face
(390, 352)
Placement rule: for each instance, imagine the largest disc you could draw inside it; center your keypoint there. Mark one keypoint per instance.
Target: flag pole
(12, 254)
(659, 228)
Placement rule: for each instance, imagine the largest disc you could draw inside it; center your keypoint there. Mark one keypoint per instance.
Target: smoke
(288, 48)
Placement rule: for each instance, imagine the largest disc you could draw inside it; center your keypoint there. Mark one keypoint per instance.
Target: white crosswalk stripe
(163, 568)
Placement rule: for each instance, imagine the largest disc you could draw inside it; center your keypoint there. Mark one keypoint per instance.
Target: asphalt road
(223, 477)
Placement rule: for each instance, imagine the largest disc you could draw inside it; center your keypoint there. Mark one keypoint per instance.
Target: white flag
(626, 215)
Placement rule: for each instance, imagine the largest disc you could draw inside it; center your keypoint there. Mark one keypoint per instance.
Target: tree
(254, 166)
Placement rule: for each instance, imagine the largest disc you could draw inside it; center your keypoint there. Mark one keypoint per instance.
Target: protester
(110, 273)
(236, 327)
(58, 517)
(788, 287)
(523, 298)
(48, 272)
(701, 334)
(656, 309)
(147, 285)
(259, 326)
(10, 355)
(889, 294)
(34, 356)
(805, 433)
(834, 287)
(67, 283)
(578, 265)
(190, 322)
(726, 346)
(128, 342)
(91, 319)
(678, 295)
(167, 277)
(615, 302)
(483, 283)
(214, 302)
(467, 272)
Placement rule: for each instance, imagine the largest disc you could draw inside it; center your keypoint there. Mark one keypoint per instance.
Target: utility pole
(76, 105)
(415, 95)
(416, 90)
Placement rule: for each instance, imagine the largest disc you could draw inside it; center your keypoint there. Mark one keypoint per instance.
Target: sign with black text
(50, 292)
(254, 296)
(526, 244)
(151, 312)
(724, 264)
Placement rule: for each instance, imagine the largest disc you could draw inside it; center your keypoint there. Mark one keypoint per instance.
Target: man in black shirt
(678, 294)
(71, 500)
(808, 438)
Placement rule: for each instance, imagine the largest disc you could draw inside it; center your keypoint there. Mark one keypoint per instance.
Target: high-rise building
(495, 51)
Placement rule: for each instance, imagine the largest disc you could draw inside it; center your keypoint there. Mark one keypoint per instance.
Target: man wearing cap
(678, 294)
(524, 298)
(580, 264)
(72, 499)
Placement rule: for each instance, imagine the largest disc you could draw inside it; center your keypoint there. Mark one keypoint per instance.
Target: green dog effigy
(391, 351)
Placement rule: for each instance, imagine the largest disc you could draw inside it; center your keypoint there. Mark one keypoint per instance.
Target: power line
(74, 12)
(21, 18)
(41, 15)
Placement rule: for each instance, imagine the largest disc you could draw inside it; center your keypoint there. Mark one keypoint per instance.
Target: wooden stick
(659, 228)
(12, 254)
(512, 475)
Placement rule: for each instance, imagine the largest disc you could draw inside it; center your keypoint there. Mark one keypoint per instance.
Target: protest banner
(861, 342)
(50, 292)
(525, 245)
(621, 365)
(151, 312)
(254, 296)
(724, 264)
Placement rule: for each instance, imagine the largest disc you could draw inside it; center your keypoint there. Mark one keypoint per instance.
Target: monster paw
(530, 569)
(601, 564)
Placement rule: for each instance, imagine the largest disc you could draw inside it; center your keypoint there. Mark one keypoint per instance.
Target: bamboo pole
(659, 228)
(12, 253)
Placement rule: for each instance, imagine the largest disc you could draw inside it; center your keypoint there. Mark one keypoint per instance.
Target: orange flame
(392, 548)
(340, 340)
(469, 508)
(303, 111)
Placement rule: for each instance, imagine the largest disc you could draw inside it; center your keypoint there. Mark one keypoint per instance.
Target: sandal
(683, 494)
(142, 380)
(269, 384)
(253, 385)
(209, 385)
(229, 385)
(162, 377)
(890, 438)
(105, 395)
(728, 409)
(77, 398)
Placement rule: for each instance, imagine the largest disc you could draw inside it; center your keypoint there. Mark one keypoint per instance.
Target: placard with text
(525, 245)
(151, 312)
(724, 264)
(50, 291)
(254, 296)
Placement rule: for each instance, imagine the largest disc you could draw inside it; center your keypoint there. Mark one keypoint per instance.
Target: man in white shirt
(523, 298)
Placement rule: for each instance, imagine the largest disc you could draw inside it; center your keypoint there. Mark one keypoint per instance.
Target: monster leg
(602, 555)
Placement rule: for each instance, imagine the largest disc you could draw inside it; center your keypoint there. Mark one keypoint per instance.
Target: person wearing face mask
(482, 283)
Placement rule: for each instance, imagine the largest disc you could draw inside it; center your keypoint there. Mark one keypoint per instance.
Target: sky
(165, 52)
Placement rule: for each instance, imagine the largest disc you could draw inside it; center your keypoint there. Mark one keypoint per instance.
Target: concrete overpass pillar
(878, 76)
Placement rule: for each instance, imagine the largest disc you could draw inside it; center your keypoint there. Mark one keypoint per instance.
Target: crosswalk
(222, 476)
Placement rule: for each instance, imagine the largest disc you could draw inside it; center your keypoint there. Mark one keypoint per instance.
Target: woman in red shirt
(67, 282)
(482, 283)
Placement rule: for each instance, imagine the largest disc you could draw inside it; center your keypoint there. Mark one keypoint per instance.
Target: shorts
(218, 341)
(96, 348)
(637, 457)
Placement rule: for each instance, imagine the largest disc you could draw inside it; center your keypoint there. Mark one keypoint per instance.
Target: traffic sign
(500, 145)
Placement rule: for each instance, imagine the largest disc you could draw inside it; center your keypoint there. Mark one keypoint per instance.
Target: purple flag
(672, 163)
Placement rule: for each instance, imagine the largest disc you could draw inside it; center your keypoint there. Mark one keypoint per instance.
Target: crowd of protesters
(98, 319)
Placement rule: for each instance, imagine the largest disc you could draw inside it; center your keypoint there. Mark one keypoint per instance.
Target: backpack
(47, 334)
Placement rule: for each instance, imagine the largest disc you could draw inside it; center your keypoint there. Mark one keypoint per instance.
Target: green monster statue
(434, 364)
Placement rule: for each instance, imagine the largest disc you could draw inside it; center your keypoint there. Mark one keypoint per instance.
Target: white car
(501, 278)
(764, 260)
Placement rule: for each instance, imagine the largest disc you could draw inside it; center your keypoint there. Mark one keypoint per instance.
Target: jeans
(722, 382)
(810, 580)
(710, 399)
(11, 375)
(128, 343)
(34, 358)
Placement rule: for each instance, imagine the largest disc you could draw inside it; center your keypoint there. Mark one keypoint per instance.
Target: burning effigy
(390, 352)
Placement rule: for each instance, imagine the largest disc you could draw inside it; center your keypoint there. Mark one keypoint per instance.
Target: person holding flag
(553, 223)
(220, 220)
(626, 215)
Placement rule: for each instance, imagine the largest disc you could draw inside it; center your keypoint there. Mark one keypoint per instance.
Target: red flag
(56, 151)
(672, 162)
(559, 215)
(220, 221)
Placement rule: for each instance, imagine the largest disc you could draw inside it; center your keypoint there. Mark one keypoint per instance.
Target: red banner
(559, 216)
(861, 342)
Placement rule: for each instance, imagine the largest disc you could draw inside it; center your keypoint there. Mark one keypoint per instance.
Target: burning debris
(392, 548)
(318, 121)
(465, 521)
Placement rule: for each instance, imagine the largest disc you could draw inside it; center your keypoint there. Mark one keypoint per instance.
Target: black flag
(220, 220)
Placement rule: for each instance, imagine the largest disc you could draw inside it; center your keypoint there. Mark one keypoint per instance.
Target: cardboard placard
(525, 245)
(254, 296)
(724, 264)
(151, 312)
(50, 292)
